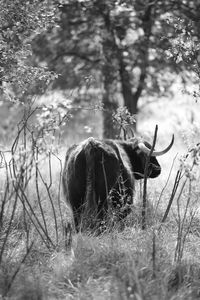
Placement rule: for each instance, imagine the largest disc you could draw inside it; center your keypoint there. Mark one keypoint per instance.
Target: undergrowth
(41, 258)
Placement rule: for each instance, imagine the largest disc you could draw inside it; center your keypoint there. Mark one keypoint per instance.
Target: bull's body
(100, 174)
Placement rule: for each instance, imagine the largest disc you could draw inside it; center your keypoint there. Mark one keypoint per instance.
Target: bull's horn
(155, 153)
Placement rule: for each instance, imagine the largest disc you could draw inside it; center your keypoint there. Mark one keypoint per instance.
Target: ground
(125, 262)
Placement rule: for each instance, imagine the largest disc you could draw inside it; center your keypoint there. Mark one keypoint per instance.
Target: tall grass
(41, 259)
(33, 216)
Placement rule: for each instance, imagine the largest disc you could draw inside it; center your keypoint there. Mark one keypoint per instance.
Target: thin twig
(38, 193)
(59, 189)
(175, 187)
(145, 180)
(8, 229)
(167, 181)
(17, 270)
(51, 201)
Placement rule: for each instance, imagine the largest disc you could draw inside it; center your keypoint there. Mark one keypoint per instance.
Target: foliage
(21, 21)
(118, 51)
(138, 41)
(126, 122)
(184, 49)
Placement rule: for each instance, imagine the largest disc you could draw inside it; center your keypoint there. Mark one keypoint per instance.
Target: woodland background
(70, 69)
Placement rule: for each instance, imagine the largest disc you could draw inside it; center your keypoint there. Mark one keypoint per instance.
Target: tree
(21, 21)
(126, 46)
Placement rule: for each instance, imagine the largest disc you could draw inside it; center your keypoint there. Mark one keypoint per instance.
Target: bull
(99, 175)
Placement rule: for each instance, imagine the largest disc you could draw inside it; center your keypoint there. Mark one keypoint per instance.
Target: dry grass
(111, 266)
(128, 264)
(119, 264)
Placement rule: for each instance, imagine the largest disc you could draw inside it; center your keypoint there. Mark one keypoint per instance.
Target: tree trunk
(130, 98)
(110, 130)
(109, 71)
(109, 102)
(115, 66)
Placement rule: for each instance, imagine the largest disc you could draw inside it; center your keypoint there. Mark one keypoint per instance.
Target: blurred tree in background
(124, 49)
(112, 51)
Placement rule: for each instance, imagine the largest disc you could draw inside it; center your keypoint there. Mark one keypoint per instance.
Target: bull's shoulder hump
(95, 143)
(89, 141)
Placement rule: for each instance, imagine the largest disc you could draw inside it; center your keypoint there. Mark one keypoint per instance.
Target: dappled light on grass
(124, 262)
(116, 264)
(42, 257)
(119, 265)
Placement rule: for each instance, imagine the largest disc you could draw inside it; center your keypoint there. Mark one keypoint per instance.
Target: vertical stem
(144, 204)
(176, 184)
(154, 254)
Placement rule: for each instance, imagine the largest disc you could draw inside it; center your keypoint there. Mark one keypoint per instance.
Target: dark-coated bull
(99, 175)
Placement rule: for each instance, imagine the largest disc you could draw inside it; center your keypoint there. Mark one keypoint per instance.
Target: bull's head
(139, 158)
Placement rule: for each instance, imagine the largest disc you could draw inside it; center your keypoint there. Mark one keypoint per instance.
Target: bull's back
(92, 169)
(107, 170)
